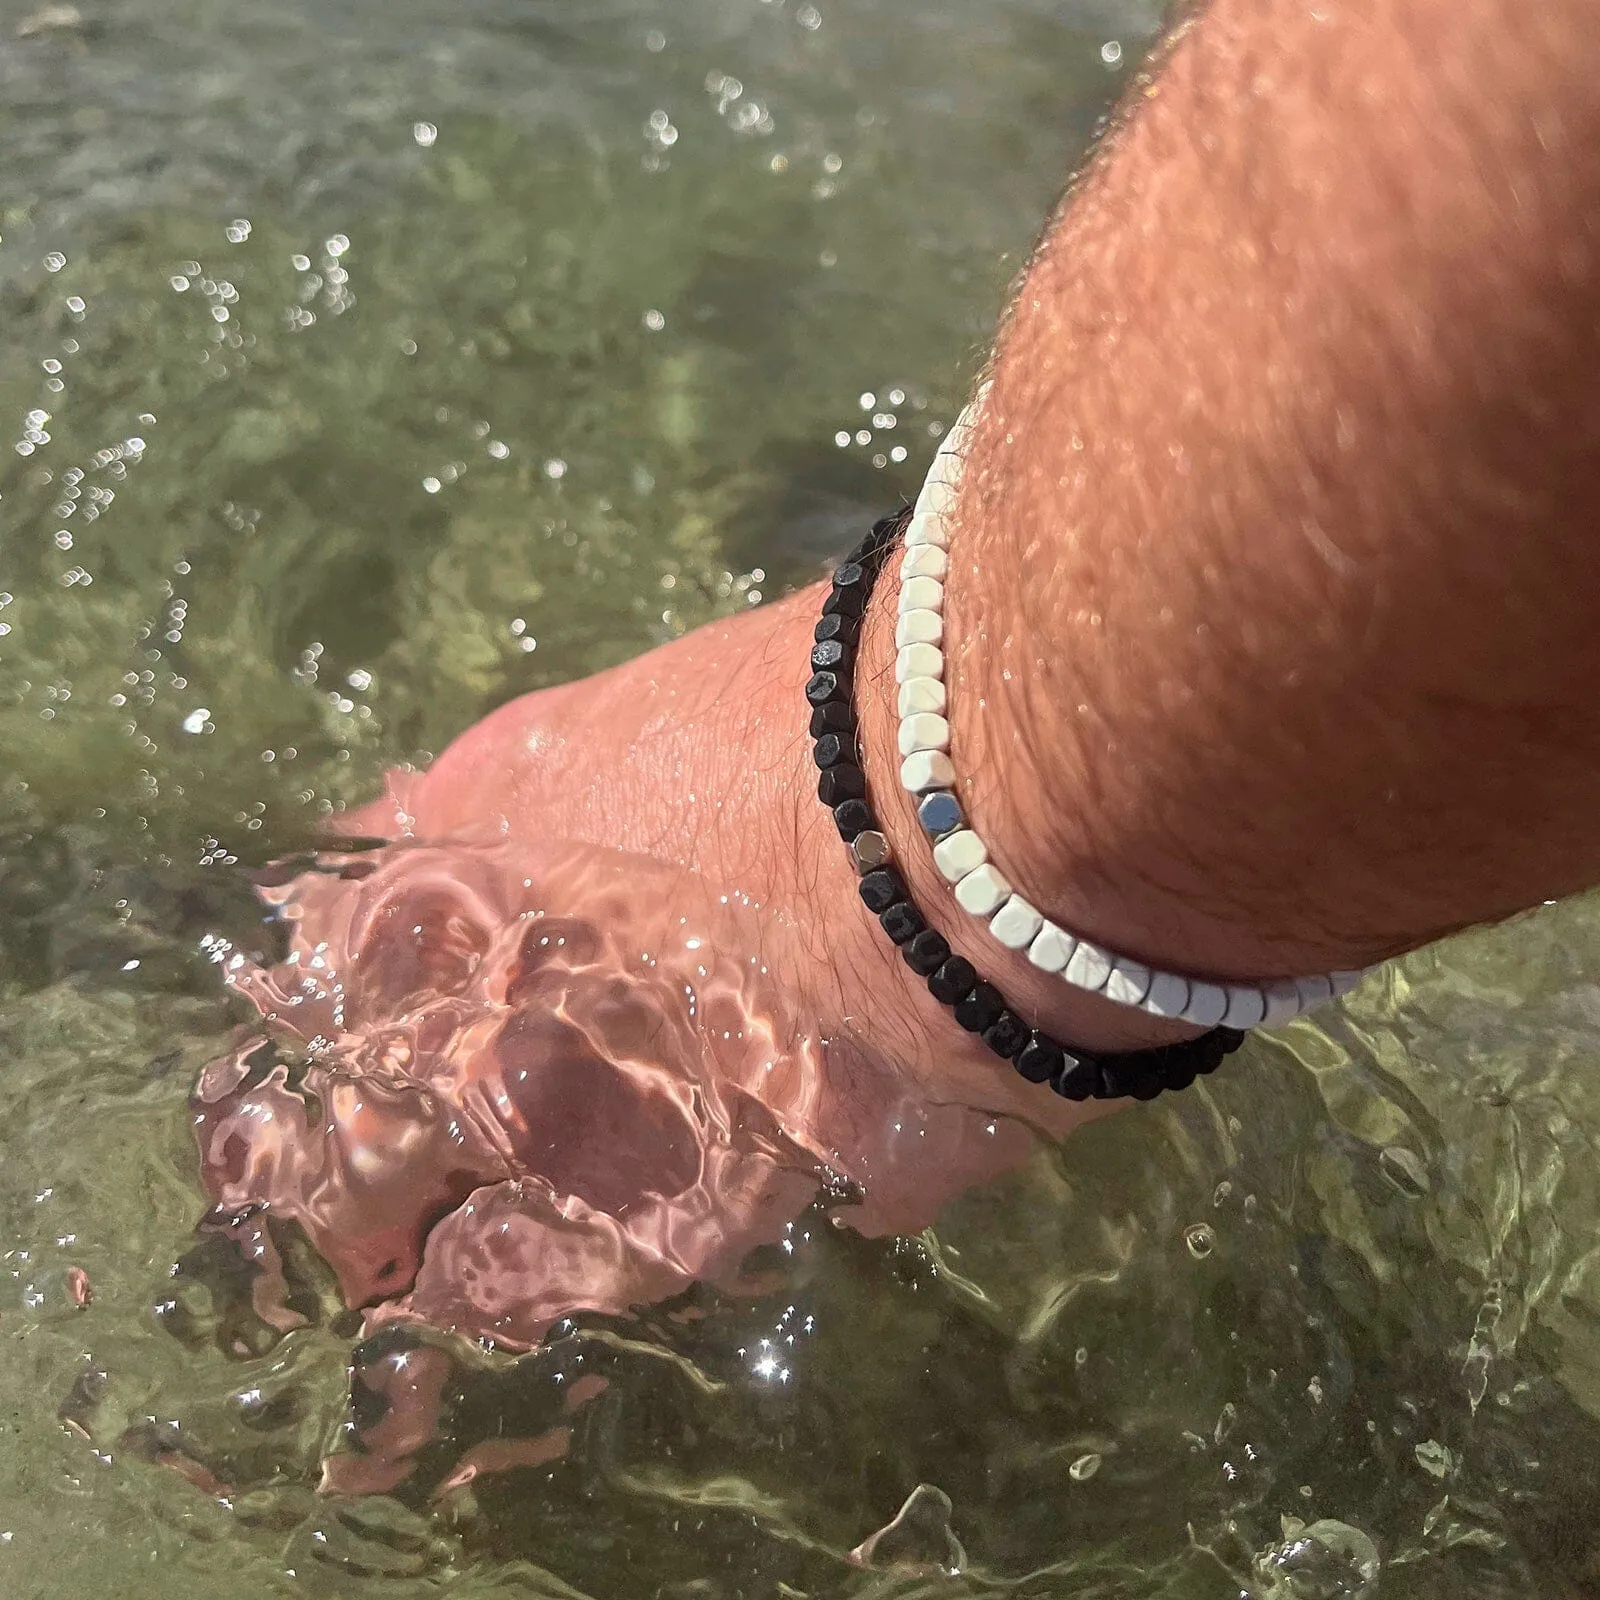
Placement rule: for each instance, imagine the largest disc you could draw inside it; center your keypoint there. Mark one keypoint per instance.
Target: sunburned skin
(535, 1089)
(507, 1073)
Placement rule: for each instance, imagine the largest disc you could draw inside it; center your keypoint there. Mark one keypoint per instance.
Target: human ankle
(1002, 810)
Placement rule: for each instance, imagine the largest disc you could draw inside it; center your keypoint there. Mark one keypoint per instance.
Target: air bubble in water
(1326, 1561)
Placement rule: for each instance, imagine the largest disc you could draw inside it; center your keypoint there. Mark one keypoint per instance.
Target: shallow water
(366, 365)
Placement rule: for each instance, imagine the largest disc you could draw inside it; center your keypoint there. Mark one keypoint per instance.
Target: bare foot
(603, 1015)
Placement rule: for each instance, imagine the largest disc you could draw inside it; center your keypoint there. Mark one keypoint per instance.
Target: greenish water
(366, 365)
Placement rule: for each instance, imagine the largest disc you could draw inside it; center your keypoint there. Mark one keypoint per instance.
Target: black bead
(979, 1007)
(926, 953)
(844, 603)
(1148, 1084)
(832, 655)
(1231, 1039)
(954, 979)
(1077, 1080)
(1208, 1051)
(831, 749)
(1119, 1078)
(1178, 1072)
(880, 888)
(872, 549)
(846, 628)
(841, 783)
(885, 529)
(1007, 1034)
(825, 686)
(902, 922)
(850, 575)
(834, 717)
(1041, 1059)
(851, 818)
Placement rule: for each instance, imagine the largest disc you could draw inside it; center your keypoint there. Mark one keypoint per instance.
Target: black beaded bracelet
(952, 980)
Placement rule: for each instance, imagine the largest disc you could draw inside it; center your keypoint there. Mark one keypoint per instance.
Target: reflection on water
(516, 1098)
(359, 370)
(494, 1087)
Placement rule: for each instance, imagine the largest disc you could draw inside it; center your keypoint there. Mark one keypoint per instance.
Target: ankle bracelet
(962, 858)
(952, 980)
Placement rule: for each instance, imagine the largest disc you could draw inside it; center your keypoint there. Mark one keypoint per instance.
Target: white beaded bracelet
(981, 889)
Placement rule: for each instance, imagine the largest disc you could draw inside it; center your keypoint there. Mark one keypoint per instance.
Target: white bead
(962, 858)
(961, 429)
(983, 890)
(924, 730)
(1207, 1002)
(920, 594)
(1283, 1001)
(1313, 991)
(918, 661)
(918, 627)
(921, 694)
(1129, 982)
(1051, 949)
(1089, 967)
(924, 561)
(937, 497)
(1016, 923)
(958, 854)
(1168, 995)
(1246, 1006)
(927, 769)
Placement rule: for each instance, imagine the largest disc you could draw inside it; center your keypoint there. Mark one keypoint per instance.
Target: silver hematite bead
(869, 850)
(940, 813)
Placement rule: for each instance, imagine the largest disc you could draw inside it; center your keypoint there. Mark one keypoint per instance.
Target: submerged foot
(601, 1017)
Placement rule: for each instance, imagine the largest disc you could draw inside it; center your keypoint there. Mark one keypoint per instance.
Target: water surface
(364, 365)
